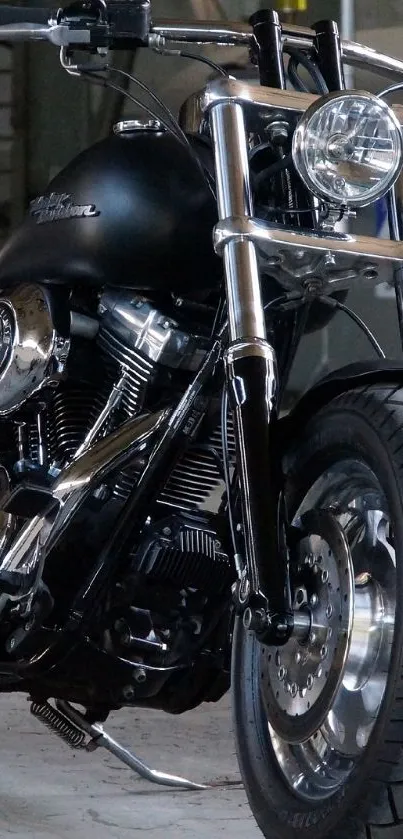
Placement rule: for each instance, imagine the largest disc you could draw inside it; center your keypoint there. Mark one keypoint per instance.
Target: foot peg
(72, 726)
(58, 723)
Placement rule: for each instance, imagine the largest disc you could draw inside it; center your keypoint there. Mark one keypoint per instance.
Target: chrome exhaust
(22, 565)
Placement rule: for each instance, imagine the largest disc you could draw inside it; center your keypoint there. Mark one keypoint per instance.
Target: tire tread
(384, 821)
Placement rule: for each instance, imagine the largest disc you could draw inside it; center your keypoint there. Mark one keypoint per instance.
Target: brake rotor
(299, 680)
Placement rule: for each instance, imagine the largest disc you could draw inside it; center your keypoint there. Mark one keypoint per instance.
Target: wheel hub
(300, 679)
(341, 722)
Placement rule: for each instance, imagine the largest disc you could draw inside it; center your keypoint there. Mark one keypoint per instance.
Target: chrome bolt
(300, 597)
(329, 611)
(313, 600)
(330, 260)
(324, 651)
(278, 132)
(298, 657)
(128, 692)
(254, 619)
(370, 273)
(309, 682)
(319, 672)
(325, 576)
(287, 687)
(278, 659)
(282, 673)
(294, 690)
(302, 692)
(311, 560)
(140, 675)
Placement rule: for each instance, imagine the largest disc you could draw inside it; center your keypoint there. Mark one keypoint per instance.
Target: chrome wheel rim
(320, 759)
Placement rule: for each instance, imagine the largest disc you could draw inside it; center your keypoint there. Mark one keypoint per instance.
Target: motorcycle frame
(227, 110)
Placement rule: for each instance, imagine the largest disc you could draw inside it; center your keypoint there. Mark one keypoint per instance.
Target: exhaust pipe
(21, 567)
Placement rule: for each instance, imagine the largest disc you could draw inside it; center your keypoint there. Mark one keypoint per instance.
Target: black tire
(366, 425)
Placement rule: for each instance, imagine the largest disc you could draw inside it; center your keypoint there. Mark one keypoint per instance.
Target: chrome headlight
(348, 148)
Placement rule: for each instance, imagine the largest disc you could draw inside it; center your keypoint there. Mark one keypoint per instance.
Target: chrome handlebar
(300, 37)
(207, 32)
(58, 34)
(232, 34)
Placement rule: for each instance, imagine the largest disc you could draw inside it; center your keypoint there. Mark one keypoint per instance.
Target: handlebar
(232, 34)
(127, 23)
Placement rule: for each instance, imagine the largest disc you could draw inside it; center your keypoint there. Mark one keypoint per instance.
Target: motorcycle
(167, 528)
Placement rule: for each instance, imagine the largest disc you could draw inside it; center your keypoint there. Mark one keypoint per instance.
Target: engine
(55, 385)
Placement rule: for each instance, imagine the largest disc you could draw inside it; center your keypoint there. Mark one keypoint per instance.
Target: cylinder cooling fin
(197, 482)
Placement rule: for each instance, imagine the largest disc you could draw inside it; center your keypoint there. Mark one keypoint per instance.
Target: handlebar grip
(24, 14)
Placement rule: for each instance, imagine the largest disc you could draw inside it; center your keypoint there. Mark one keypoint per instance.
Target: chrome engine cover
(32, 353)
(141, 328)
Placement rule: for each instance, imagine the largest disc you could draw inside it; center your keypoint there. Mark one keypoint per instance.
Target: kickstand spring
(99, 738)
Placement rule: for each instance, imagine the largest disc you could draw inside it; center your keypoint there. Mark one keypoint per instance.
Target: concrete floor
(48, 790)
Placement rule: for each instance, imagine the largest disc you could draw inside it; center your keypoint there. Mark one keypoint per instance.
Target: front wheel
(319, 722)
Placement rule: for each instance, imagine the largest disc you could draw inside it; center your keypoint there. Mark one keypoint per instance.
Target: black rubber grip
(23, 14)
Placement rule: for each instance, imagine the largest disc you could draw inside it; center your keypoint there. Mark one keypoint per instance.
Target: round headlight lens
(348, 147)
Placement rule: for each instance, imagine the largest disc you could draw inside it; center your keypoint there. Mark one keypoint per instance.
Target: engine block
(185, 553)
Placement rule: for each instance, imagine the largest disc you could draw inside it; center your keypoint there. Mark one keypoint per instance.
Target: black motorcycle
(166, 526)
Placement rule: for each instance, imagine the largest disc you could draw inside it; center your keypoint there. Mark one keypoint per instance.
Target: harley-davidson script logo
(54, 207)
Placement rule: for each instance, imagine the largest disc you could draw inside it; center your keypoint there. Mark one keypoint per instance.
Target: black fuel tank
(132, 211)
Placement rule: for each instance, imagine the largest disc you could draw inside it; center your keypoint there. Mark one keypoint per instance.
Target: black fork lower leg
(252, 384)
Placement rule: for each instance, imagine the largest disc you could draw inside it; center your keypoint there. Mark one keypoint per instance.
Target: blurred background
(47, 117)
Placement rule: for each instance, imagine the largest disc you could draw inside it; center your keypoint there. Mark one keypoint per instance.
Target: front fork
(252, 383)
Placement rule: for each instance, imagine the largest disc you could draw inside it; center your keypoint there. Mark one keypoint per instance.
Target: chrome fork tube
(252, 383)
(234, 198)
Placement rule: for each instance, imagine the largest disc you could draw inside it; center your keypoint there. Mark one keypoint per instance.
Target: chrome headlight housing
(348, 148)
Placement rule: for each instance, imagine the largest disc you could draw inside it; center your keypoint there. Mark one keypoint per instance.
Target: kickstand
(100, 738)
